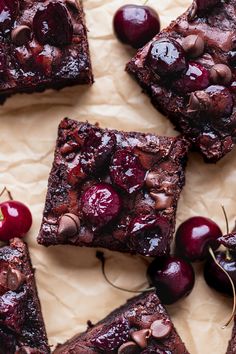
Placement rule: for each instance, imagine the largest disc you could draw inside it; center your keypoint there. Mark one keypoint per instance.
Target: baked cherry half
(100, 204)
(15, 220)
(173, 278)
(52, 24)
(136, 25)
(194, 237)
(148, 233)
(194, 79)
(166, 57)
(126, 171)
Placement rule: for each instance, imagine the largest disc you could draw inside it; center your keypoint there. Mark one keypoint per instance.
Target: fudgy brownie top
(22, 329)
(113, 189)
(42, 44)
(140, 326)
(188, 70)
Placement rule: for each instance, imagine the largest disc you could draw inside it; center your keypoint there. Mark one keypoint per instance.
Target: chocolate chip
(140, 337)
(69, 225)
(199, 101)
(220, 74)
(152, 180)
(14, 279)
(163, 201)
(161, 329)
(21, 35)
(129, 348)
(193, 45)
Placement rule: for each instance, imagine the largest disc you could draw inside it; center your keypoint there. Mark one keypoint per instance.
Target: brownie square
(188, 71)
(142, 325)
(232, 343)
(113, 189)
(43, 45)
(22, 328)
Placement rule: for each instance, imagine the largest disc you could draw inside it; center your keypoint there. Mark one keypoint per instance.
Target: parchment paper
(70, 284)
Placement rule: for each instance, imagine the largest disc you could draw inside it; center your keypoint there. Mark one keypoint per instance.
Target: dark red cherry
(166, 57)
(52, 24)
(149, 234)
(126, 171)
(97, 150)
(173, 278)
(195, 235)
(111, 338)
(100, 204)
(136, 25)
(222, 100)
(15, 220)
(206, 4)
(215, 277)
(8, 12)
(196, 78)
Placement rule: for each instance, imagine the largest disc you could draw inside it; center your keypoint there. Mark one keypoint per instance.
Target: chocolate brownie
(113, 189)
(232, 344)
(142, 325)
(43, 45)
(22, 328)
(228, 240)
(188, 70)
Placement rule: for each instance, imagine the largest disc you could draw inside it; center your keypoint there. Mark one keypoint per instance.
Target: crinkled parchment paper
(70, 284)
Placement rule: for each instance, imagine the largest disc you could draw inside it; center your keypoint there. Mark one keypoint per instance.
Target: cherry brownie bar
(22, 329)
(113, 189)
(43, 45)
(188, 70)
(142, 325)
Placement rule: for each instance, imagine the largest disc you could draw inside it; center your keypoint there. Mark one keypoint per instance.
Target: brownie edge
(136, 325)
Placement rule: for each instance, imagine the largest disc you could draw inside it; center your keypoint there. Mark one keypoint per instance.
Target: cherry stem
(8, 192)
(232, 284)
(100, 256)
(226, 219)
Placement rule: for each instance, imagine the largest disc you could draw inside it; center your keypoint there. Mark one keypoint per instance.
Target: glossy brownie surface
(142, 325)
(200, 101)
(22, 328)
(43, 44)
(113, 189)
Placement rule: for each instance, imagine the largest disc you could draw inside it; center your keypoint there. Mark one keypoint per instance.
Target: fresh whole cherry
(173, 278)
(100, 204)
(194, 237)
(52, 25)
(136, 25)
(194, 79)
(15, 220)
(215, 277)
(166, 57)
